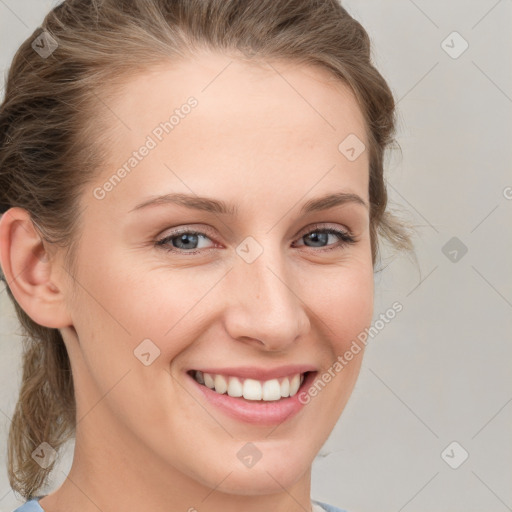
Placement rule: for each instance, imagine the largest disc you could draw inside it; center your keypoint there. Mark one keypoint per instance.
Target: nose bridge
(265, 305)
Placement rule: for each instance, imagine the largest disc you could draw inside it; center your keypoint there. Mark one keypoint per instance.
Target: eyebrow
(216, 206)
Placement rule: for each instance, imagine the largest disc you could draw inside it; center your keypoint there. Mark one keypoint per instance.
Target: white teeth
(294, 384)
(208, 380)
(235, 387)
(251, 389)
(271, 390)
(221, 385)
(285, 387)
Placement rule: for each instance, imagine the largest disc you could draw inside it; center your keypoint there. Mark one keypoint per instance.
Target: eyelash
(346, 239)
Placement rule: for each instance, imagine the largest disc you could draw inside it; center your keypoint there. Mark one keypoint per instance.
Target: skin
(145, 439)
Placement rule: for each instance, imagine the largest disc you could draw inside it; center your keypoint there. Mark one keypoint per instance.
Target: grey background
(441, 370)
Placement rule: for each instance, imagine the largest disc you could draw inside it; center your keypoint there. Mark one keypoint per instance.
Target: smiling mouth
(251, 389)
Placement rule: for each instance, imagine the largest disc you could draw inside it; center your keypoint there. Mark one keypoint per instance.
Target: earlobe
(29, 271)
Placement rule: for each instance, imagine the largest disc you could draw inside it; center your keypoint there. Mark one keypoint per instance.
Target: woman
(192, 192)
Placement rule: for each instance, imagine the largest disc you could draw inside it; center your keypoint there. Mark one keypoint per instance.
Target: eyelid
(161, 241)
(209, 230)
(188, 228)
(345, 235)
(325, 225)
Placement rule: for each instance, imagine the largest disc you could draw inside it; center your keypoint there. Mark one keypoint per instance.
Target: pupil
(318, 237)
(183, 239)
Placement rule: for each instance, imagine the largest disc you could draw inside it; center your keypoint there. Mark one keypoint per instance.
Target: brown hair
(52, 143)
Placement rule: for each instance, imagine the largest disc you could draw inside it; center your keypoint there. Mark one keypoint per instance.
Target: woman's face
(260, 288)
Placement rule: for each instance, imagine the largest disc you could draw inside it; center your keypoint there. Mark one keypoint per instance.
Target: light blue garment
(33, 506)
(325, 506)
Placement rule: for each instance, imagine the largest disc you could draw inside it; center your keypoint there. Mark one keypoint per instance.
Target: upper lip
(253, 372)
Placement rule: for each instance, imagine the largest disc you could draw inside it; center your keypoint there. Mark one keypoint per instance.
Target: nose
(264, 304)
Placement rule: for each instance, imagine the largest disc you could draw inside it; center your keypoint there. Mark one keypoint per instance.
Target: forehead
(221, 84)
(251, 122)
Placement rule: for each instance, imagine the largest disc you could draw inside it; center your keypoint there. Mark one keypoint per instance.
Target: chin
(265, 477)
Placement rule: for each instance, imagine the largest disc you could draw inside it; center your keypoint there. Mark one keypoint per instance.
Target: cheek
(342, 300)
(117, 308)
(123, 304)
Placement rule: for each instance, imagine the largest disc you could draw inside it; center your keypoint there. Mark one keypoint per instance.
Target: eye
(188, 241)
(182, 240)
(320, 235)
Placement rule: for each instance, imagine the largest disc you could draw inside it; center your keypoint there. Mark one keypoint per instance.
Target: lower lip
(258, 412)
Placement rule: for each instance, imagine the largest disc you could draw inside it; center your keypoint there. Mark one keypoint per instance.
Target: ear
(29, 271)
